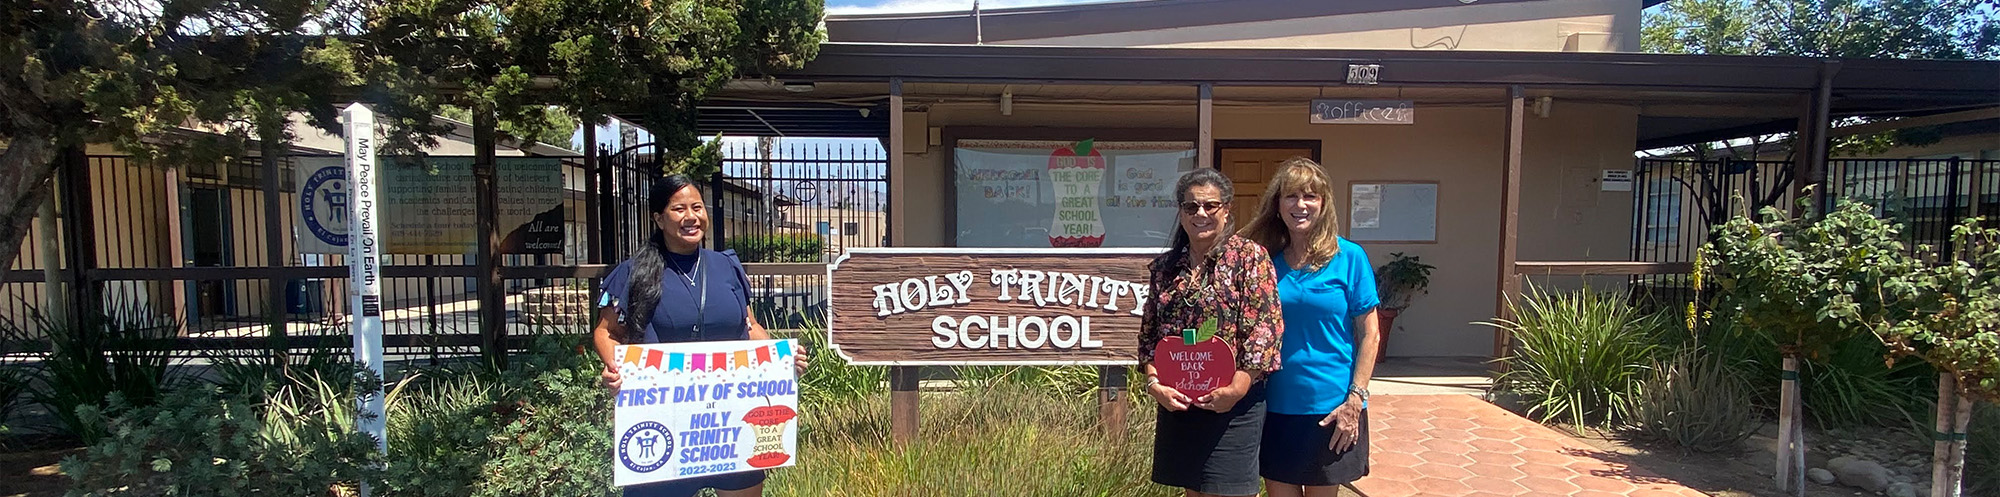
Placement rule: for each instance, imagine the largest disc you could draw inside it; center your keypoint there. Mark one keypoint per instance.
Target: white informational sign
(431, 207)
(364, 268)
(693, 409)
(1616, 180)
(1366, 213)
(1013, 193)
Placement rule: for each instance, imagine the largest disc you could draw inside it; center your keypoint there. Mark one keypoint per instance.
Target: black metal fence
(1677, 202)
(220, 249)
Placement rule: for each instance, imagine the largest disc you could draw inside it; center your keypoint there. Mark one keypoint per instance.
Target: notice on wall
(694, 409)
(1013, 193)
(431, 207)
(1366, 213)
(947, 306)
(1615, 180)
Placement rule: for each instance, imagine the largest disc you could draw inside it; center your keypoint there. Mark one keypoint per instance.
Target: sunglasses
(1192, 207)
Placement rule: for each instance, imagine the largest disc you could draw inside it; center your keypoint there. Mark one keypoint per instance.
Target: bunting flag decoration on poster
(640, 358)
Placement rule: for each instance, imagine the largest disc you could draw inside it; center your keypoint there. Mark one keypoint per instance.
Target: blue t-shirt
(716, 273)
(1319, 345)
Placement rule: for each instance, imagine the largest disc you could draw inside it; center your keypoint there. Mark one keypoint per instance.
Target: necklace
(687, 272)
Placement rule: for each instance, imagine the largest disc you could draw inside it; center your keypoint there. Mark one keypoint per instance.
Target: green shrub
(1982, 451)
(122, 351)
(554, 438)
(1009, 440)
(785, 247)
(831, 380)
(1579, 357)
(1697, 401)
(197, 441)
(1850, 387)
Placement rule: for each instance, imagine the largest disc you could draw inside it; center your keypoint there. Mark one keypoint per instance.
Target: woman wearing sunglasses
(1208, 445)
(1316, 436)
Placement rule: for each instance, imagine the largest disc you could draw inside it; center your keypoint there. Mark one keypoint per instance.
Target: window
(1663, 211)
(850, 229)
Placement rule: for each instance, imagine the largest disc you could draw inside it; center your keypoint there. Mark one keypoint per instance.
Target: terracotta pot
(1387, 318)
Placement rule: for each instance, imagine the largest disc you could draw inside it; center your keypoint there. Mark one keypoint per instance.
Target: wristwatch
(1152, 380)
(1361, 392)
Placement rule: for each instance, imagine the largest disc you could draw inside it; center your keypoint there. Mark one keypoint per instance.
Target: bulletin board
(1392, 211)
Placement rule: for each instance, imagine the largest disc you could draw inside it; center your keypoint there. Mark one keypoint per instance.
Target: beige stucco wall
(1546, 26)
(1563, 214)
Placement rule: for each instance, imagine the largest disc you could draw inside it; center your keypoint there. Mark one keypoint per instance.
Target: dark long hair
(1201, 176)
(650, 261)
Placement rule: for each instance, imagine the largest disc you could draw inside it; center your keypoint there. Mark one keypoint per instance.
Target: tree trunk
(1955, 471)
(27, 166)
(1941, 446)
(1791, 446)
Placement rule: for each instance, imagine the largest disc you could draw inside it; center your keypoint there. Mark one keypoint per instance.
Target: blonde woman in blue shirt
(1316, 429)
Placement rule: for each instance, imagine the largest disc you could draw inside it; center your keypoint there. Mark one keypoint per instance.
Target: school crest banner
(703, 408)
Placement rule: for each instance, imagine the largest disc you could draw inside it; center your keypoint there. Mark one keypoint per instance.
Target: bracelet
(1152, 380)
(1361, 392)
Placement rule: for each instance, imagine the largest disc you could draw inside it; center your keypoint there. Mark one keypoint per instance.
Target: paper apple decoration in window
(1195, 363)
(1077, 172)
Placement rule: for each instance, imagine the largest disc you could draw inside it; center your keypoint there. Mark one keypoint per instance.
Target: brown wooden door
(1251, 169)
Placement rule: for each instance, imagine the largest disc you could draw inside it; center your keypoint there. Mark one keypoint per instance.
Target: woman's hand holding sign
(1165, 395)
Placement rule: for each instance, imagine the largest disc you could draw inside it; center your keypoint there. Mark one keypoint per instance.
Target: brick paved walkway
(1459, 445)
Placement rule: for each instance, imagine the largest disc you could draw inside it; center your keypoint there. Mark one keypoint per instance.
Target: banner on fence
(961, 306)
(701, 408)
(432, 207)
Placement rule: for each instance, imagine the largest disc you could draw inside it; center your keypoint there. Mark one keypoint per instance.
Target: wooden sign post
(911, 307)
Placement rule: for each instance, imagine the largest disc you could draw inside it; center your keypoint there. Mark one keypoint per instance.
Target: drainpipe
(978, 25)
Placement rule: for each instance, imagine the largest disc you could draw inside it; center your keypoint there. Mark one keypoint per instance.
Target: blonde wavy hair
(1267, 227)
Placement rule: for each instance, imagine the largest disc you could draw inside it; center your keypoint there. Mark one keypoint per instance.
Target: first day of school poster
(703, 408)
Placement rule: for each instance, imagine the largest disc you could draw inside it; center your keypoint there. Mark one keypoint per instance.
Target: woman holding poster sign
(1210, 335)
(673, 290)
(1316, 435)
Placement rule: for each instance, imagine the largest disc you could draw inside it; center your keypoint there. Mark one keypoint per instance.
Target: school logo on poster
(645, 447)
(323, 203)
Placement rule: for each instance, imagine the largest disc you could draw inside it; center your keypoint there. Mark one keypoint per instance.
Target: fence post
(609, 201)
(718, 210)
(492, 298)
(903, 395)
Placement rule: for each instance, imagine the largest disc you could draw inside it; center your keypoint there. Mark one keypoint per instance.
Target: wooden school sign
(960, 306)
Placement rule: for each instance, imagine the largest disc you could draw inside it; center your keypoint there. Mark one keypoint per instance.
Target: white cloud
(906, 6)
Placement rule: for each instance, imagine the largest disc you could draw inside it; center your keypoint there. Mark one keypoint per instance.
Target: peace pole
(364, 271)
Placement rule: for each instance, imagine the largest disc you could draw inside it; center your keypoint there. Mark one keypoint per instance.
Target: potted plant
(1397, 283)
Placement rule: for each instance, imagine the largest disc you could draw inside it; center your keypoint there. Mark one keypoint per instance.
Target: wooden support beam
(898, 169)
(1112, 408)
(1510, 216)
(903, 385)
(1583, 268)
(1204, 155)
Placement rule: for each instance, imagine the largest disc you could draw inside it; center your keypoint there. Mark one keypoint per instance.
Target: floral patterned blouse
(1237, 284)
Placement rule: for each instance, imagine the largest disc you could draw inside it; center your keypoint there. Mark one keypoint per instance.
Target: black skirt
(1211, 452)
(1296, 451)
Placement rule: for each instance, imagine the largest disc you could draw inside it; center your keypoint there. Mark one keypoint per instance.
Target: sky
(838, 7)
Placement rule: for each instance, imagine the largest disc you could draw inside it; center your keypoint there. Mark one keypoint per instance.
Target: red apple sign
(1082, 155)
(1194, 370)
(769, 418)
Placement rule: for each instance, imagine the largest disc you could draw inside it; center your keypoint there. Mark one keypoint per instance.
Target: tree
(126, 72)
(511, 60)
(1900, 29)
(130, 72)
(560, 128)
